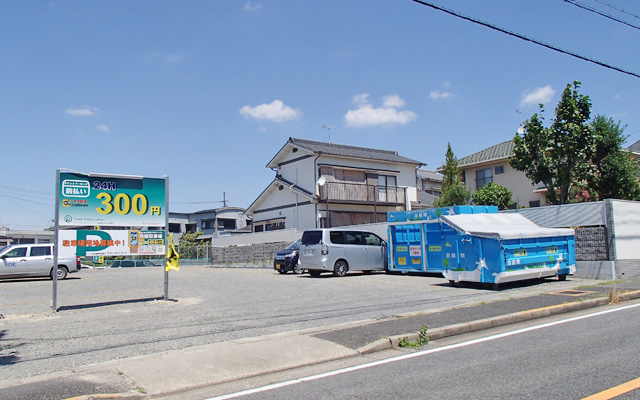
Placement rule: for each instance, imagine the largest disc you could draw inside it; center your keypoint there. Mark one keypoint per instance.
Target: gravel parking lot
(106, 314)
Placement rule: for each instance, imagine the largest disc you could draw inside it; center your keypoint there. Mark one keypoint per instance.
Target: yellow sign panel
(402, 261)
(415, 261)
(520, 253)
(551, 250)
(402, 248)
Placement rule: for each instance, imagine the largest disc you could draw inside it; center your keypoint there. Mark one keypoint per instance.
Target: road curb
(493, 322)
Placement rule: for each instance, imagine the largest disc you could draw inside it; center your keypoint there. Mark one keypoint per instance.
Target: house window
(483, 176)
(274, 226)
(268, 226)
(208, 224)
(435, 193)
(174, 228)
(226, 224)
(534, 203)
(499, 169)
(387, 189)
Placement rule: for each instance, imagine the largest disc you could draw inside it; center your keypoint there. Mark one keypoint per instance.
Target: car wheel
(340, 268)
(62, 273)
(314, 272)
(297, 269)
(282, 271)
(562, 277)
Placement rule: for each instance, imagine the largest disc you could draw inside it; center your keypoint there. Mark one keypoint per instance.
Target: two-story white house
(492, 165)
(321, 184)
(212, 223)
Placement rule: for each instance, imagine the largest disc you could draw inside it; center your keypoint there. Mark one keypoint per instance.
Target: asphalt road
(117, 313)
(565, 360)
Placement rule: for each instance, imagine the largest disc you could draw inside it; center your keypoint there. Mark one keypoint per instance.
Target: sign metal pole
(166, 237)
(56, 250)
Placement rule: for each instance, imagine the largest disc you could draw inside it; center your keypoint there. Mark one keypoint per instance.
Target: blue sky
(206, 92)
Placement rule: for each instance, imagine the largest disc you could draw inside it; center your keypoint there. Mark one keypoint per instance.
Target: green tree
(189, 245)
(493, 194)
(613, 174)
(557, 156)
(453, 191)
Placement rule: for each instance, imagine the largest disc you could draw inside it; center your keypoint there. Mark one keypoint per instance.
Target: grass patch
(614, 295)
(422, 339)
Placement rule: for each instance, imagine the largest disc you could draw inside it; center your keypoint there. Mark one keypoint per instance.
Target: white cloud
(437, 95)
(249, 6)
(103, 128)
(276, 111)
(367, 115)
(85, 111)
(173, 58)
(393, 101)
(444, 95)
(536, 96)
(361, 98)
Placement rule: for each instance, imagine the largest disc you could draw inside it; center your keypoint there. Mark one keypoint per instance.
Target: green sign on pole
(103, 200)
(111, 200)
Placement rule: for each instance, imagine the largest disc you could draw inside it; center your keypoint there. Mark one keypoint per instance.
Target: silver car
(34, 260)
(340, 250)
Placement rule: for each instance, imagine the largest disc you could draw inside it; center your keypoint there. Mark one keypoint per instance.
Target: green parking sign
(111, 200)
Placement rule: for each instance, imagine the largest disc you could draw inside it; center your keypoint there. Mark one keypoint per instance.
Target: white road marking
(413, 355)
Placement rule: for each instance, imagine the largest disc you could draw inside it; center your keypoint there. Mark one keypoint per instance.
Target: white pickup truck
(34, 260)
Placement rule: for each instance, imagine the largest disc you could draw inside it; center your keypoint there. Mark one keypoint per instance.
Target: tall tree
(493, 194)
(613, 173)
(453, 191)
(557, 156)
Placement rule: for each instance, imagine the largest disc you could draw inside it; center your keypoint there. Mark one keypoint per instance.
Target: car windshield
(294, 246)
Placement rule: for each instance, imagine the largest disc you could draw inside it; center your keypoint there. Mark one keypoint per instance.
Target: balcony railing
(362, 193)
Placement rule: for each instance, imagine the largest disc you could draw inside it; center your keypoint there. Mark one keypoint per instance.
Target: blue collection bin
(500, 248)
(415, 237)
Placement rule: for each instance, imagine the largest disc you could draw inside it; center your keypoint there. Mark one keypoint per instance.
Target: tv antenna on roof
(520, 127)
(328, 127)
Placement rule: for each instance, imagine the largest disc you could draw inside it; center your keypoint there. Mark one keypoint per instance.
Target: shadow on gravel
(501, 287)
(7, 359)
(109, 303)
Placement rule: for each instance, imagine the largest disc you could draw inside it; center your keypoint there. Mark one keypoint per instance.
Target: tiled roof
(425, 200)
(497, 152)
(429, 175)
(635, 147)
(352, 151)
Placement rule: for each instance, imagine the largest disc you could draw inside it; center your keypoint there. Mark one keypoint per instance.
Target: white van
(34, 260)
(341, 250)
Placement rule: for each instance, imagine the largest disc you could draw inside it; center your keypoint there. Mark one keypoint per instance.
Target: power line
(622, 10)
(519, 36)
(8, 198)
(593, 10)
(30, 192)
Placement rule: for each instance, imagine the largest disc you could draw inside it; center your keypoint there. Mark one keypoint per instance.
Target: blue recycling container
(500, 248)
(477, 244)
(415, 237)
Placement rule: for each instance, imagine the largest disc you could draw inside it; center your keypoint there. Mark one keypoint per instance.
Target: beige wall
(516, 181)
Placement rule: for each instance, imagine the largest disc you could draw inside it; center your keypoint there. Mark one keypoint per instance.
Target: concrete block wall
(591, 243)
(252, 254)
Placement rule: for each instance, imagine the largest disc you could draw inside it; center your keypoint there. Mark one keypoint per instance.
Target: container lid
(501, 226)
